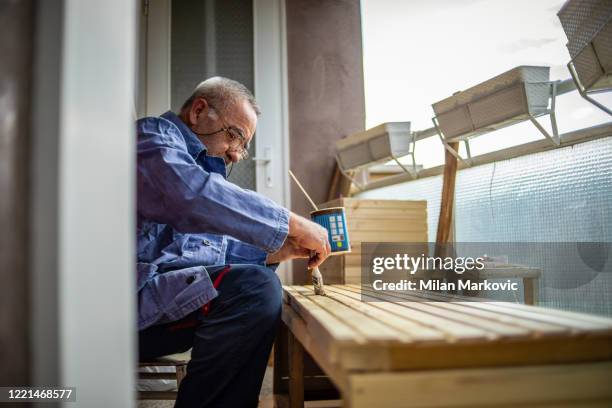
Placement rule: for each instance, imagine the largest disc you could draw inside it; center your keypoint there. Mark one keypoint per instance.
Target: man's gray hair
(222, 94)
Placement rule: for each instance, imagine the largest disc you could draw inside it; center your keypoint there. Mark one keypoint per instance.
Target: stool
(178, 361)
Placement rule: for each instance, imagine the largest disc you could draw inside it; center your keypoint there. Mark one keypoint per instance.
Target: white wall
(83, 192)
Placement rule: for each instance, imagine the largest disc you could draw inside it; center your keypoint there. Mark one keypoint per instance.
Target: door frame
(270, 79)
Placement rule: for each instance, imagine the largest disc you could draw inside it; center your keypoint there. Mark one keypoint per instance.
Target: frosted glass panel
(563, 195)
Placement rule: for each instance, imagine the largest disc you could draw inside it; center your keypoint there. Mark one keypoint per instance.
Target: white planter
(588, 26)
(508, 98)
(377, 145)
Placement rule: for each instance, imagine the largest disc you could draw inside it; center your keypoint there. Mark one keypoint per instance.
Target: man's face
(239, 120)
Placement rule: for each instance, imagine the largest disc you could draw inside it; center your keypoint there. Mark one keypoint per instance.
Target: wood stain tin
(334, 221)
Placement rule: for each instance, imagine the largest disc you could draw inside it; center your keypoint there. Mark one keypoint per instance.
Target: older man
(207, 249)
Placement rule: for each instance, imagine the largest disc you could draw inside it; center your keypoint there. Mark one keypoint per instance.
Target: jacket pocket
(172, 295)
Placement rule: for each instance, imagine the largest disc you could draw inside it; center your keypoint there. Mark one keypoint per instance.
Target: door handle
(266, 160)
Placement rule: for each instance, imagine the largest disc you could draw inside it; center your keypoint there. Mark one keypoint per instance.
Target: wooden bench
(177, 361)
(438, 350)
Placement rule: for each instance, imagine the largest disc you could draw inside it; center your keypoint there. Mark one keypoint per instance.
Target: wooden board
(552, 386)
(433, 331)
(361, 203)
(374, 221)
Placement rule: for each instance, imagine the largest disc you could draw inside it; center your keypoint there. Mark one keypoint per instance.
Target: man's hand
(308, 236)
(289, 250)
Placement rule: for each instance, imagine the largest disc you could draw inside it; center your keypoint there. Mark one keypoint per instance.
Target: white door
(272, 142)
(165, 83)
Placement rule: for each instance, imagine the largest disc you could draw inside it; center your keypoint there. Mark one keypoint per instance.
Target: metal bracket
(413, 172)
(582, 90)
(554, 138)
(466, 142)
(450, 149)
(359, 186)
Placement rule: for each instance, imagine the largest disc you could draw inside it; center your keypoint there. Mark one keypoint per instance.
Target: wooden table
(529, 275)
(436, 350)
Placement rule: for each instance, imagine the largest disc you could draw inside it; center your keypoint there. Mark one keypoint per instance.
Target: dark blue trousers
(231, 343)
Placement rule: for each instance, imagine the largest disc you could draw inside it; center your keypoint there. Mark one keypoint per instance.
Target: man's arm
(173, 189)
(240, 252)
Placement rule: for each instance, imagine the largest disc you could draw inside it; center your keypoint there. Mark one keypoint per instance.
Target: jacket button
(206, 242)
(190, 280)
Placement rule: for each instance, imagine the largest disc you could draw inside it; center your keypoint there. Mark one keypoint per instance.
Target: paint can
(334, 221)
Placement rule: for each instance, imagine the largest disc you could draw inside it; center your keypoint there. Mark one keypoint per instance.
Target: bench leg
(296, 372)
(530, 289)
(181, 371)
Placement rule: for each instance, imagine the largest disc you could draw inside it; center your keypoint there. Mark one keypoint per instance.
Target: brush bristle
(317, 281)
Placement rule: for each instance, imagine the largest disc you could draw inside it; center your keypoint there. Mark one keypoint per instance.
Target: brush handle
(303, 190)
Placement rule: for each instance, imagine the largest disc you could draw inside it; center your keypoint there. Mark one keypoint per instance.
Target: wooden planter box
(373, 221)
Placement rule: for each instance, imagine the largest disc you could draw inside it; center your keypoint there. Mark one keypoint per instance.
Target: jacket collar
(195, 147)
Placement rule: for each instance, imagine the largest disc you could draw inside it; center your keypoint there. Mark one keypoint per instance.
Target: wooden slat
(157, 376)
(387, 236)
(415, 332)
(520, 386)
(536, 329)
(352, 270)
(494, 328)
(504, 326)
(406, 213)
(357, 204)
(372, 330)
(320, 320)
(376, 216)
(383, 214)
(157, 395)
(330, 332)
(416, 226)
(575, 323)
(606, 321)
(360, 203)
(356, 248)
(436, 341)
(453, 331)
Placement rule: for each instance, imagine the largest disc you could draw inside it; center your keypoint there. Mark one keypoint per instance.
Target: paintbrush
(317, 278)
(317, 281)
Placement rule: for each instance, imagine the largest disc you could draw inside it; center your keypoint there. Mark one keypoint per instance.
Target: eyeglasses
(238, 142)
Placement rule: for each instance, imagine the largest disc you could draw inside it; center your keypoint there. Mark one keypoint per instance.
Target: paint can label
(334, 221)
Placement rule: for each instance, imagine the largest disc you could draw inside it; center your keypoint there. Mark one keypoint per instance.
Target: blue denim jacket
(190, 217)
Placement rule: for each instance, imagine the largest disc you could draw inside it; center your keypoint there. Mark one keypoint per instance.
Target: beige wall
(326, 96)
